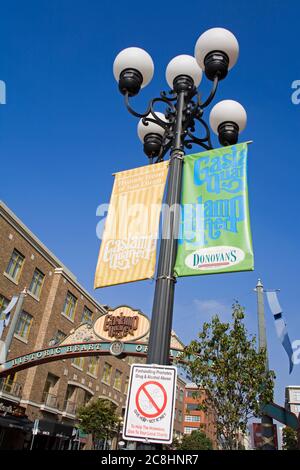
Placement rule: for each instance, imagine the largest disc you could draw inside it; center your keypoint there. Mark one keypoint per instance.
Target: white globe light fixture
(151, 134)
(181, 68)
(150, 127)
(227, 119)
(216, 52)
(133, 69)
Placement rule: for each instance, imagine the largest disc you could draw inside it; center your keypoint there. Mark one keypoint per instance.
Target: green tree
(98, 418)
(225, 363)
(197, 440)
(289, 439)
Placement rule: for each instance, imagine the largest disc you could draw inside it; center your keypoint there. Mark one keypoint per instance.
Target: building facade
(54, 306)
(292, 399)
(195, 418)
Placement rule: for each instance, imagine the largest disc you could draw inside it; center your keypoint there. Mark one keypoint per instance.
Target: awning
(53, 428)
(63, 430)
(13, 422)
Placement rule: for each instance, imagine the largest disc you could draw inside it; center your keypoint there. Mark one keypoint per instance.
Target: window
(179, 416)
(106, 373)
(192, 419)
(24, 325)
(49, 394)
(93, 365)
(296, 408)
(193, 394)
(70, 399)
(8, 384)
(50, 383)
(181, 395)
(15, 265)
(118, 380)
(87, 316)
(78, 362)
(188, 430)
(192, 407)
(70, 306)
(57, 338)
(126, 385)
(3, 304)
(70, 393)
(36, 283)
(87, 397)
(296, 396)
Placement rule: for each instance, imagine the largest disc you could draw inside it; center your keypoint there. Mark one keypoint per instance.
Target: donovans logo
(216, 257)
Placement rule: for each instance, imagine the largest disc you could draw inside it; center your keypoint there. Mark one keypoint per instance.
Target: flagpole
(266, 421)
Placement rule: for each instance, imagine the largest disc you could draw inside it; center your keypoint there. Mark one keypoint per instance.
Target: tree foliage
(289, 439)
(98, 418)
(224, 361)
(197, 440)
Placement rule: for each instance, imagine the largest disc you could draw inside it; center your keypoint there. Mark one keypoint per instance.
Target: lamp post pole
(266, 421)
(162, 311)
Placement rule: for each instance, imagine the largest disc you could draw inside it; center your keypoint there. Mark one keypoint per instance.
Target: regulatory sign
(149, 415)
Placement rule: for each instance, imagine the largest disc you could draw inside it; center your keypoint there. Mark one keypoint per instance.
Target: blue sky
(64, 131)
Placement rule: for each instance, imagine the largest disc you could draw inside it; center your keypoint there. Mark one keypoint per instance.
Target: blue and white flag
(280, 325)
(5, 314)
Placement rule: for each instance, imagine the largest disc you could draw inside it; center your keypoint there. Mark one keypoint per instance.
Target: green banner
(215, 234)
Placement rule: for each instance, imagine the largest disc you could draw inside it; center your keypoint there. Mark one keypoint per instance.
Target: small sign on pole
(35, 431)
(35, 427)
(149, 414)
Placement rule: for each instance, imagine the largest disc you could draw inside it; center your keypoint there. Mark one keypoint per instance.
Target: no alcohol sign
(149, 414)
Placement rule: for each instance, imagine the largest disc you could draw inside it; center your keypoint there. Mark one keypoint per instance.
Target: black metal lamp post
(216, 52)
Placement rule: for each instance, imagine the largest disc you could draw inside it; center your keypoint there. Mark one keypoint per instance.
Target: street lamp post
(216, 52)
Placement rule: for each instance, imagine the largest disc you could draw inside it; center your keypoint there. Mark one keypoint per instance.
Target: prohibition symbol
(151, 399)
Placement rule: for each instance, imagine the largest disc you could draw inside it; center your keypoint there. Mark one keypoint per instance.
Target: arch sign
(122, 331)
(149, 414)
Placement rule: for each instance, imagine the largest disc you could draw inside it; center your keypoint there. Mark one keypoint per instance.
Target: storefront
(53, 435)
(15, 428)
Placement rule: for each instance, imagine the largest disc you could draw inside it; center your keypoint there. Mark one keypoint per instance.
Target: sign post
(149, 414)
(35, 431)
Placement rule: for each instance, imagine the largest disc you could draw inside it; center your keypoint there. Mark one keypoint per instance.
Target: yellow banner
(128, 248)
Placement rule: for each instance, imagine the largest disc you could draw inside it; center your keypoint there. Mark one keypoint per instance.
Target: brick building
(55, 304)
(194, 418)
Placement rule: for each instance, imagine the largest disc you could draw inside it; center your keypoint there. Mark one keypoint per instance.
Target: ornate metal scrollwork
(192, 114)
